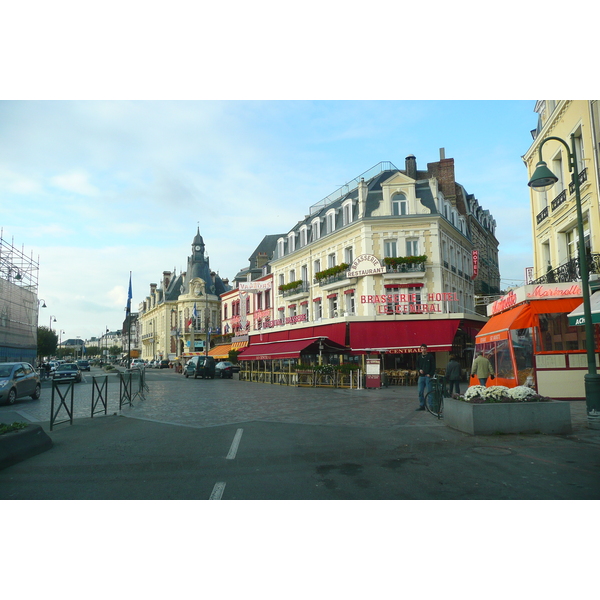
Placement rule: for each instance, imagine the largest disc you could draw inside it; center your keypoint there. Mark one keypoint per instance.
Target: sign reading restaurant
(365, 264)
(409, 303)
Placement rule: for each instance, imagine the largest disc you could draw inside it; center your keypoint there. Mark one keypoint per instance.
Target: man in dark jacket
(453, 375)
(426, 370)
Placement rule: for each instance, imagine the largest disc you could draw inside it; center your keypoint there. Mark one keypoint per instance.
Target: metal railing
(569, 271)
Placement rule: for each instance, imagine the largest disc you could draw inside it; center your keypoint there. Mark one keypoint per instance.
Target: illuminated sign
(475, 256)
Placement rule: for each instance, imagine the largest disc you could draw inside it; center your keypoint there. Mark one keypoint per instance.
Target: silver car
(18, 380)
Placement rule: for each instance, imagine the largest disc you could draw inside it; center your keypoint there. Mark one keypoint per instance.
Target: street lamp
(542, 180)
(42, 302)
(52, 320)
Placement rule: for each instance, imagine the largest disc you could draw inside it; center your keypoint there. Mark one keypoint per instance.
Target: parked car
(18, 380)
(67, 372)
(224, 369)
(53, 364)
(137, 363)
(200, 366)
(84, 365)
(164, 364)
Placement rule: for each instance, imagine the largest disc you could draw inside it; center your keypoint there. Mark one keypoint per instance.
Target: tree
(114, 350)
(47, 341)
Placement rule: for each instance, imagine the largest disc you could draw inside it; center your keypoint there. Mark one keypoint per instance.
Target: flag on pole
(129, 295)
(195, 312)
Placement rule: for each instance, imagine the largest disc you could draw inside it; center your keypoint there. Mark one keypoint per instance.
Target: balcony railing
(332, 278)
(569, 271)
(543, 214)
(562, 197)
(582, 179)
(406, 268)
(299, 289)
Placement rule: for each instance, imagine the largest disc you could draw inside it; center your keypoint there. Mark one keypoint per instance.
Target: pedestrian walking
(453, 375)
(426, 370)
(482, 368)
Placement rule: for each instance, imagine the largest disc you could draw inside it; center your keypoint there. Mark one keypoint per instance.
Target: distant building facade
(181, 316)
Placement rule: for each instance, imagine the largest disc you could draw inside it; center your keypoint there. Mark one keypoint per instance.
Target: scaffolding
(18, 303)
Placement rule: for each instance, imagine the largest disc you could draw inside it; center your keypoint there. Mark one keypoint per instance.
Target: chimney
(261, 260)
(442, 153)
(363, 190)
(411, 166)
(166, 279)
(152, 288)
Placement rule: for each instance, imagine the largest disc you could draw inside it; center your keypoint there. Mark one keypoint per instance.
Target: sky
(109, 188)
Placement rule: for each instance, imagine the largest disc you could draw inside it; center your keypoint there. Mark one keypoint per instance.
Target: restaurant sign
(365, 264)
(254, 286)
(546, 291)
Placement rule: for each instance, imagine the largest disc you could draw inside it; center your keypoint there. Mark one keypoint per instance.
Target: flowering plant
(478, 394)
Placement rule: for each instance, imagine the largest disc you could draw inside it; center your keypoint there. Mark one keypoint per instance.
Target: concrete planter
(508, 417)
(24, 443)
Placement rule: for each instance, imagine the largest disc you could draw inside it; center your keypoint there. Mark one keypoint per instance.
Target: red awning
(285, 349)
(403, 336)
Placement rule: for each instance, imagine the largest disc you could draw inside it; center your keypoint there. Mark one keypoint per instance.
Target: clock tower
(198, 247)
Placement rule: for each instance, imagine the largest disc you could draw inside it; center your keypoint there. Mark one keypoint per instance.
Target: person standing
(482, 368)
(453, 375)
(426, 370)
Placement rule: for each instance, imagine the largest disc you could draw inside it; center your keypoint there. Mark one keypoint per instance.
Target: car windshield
(5, 371)
(67, 368)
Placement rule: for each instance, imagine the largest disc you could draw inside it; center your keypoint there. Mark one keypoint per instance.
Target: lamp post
(52, 320)
(42, 303)
(542, 180)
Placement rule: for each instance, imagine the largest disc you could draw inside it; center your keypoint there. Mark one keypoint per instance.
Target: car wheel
(38, 392)
(12, 396)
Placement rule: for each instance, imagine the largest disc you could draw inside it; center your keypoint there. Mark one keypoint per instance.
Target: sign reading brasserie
(365, 264)
(534, 292)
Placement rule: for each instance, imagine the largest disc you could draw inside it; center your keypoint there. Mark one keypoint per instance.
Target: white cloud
(75, 181)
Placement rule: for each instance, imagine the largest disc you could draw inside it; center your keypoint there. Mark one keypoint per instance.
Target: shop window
(555, 334)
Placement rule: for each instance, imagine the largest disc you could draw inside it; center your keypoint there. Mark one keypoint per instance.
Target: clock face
(197, 247)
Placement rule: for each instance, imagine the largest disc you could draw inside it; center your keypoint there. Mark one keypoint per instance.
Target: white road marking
(235, 444)
(218, 490)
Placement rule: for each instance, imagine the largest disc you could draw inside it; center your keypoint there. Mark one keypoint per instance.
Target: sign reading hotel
(365, 264)
(546, 291)
(403, 304)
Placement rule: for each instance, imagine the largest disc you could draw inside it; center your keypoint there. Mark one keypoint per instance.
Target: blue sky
(108, 187)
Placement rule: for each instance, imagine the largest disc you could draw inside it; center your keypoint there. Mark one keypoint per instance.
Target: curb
(17, 446)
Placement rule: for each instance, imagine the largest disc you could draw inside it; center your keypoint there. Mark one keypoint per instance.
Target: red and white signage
(534, 292)
(475, 257)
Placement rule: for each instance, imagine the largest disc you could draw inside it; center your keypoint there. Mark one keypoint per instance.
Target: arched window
(399, 205)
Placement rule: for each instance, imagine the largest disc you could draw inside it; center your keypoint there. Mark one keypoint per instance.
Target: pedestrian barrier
(63, 403)
(126, 386)
(102, 395)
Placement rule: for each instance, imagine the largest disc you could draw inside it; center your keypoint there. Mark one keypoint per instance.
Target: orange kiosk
(529, 341)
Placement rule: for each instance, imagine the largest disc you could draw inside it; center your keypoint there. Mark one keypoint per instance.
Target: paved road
(226, 439)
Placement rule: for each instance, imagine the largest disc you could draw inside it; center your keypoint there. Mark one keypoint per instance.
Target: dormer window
(330, 221)
(280, 247)
(347, 212)
(303, 236)
(316, 229)
(291, 242)
(399, 205)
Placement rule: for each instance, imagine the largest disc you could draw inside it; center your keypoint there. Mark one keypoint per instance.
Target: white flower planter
(508, 417)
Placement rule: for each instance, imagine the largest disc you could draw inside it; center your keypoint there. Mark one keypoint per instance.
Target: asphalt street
(234, 440)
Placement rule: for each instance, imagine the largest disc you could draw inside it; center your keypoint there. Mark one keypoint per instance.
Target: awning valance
(239, 345)
(221, 351)
(403, 336)
(576, 316)
(287, 349)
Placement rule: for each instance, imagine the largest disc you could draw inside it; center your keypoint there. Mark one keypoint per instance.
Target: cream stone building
(381, 266)
(181, 316)
(554, 218)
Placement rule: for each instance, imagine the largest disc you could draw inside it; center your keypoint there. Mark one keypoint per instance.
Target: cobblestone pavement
(171, 398)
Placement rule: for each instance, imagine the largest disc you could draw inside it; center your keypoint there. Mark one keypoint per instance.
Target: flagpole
(129, 323)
